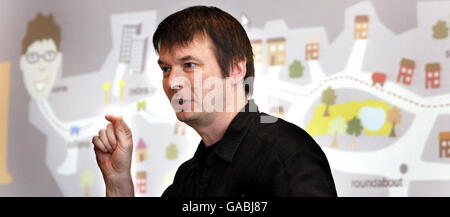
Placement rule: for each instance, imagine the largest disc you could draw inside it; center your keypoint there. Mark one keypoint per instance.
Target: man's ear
(238, 71)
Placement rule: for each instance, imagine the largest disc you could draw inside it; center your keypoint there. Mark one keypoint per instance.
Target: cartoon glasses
(34, 57)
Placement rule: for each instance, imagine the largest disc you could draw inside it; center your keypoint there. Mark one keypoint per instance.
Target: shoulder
(184, 167)
(284, 138)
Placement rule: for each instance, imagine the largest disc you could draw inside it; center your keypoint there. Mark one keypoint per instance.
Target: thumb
(121, 129)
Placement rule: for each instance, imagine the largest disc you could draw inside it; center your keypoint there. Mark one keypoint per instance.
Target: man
(205, 54)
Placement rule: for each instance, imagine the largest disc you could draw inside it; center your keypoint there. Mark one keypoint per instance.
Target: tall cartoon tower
(129, 30)
(133, 47)
(361, 29)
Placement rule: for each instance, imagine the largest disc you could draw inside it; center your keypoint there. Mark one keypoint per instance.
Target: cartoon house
(432, 75)
(312, 48)
(141, 105)
(444, 144)
(406, 71)
(257, 50)
(141, 151)
(277, 51)
(141, 182)
(75, 130)
(361, 27)
(180, 128)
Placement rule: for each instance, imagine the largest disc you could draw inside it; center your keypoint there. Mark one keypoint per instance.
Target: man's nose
(176, 81)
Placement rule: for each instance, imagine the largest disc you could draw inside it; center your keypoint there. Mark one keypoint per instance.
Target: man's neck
(214, 131)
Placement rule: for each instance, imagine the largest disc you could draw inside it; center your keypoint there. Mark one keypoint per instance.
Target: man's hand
(113, 149)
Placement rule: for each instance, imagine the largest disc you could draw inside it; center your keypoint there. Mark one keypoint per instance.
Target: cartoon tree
(337, 126)
(328, 98)
(394, 117)
(172, 152)
(354, 128)
(87, 179)
(296, 69)
(440, 30)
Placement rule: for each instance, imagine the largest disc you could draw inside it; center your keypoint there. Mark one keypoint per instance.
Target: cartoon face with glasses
(41, 59)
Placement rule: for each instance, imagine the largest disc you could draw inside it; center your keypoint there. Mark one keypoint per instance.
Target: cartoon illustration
(141, 182)
(41, 58)
(171, 152)
(5, 176)
(141, 151)
(41, 63)
(432, 75)
(277, 111)
(361, 27)
(440, 30)
(312, 48)
(141, 105)
(122, 87)
(257, 50)
(394, 117)
(180, 128)
(87, 179)
(75, 131)
(296, 69)
(106, 87)
(354, 128)
(406, 71)
(133, 48)
(336, 127)
(378, 78)
(277, 51)
(328, 98)
(444, 144)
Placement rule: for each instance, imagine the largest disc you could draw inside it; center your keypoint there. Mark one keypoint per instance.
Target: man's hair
(231, 43)
(42, 27)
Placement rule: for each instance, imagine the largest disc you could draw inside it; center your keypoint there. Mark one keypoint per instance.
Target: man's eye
(190, 65)
(165, 69)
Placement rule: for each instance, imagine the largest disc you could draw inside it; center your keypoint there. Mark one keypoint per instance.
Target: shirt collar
(238, 128)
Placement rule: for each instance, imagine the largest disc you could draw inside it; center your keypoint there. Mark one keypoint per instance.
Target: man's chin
(185, 116)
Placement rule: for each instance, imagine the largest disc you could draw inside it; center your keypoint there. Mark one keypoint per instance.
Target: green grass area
(319, 124)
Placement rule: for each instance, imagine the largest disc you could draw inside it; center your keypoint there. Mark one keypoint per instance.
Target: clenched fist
(113, 149)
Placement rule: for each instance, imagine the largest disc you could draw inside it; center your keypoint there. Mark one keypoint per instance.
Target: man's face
(40, 65)
(180, 65)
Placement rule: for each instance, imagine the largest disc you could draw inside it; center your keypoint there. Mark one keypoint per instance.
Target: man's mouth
(182, 101)
(39, 85)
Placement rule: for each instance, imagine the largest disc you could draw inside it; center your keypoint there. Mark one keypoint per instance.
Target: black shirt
(256, 158)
